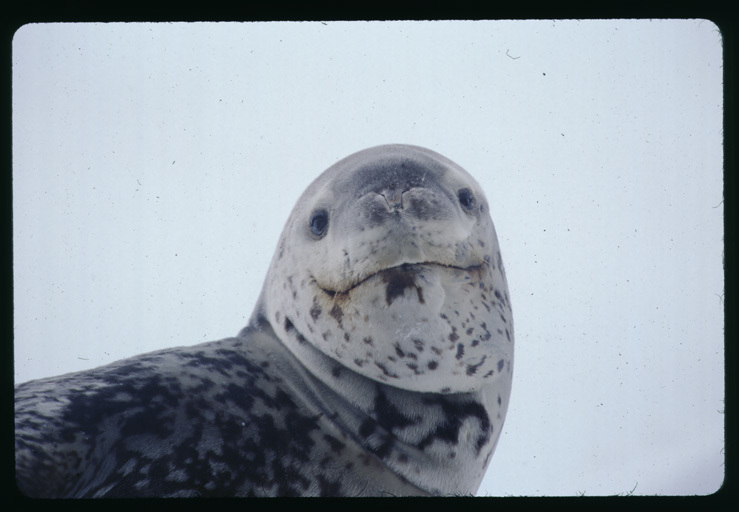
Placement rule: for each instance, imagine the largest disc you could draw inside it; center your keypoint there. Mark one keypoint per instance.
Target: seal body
(378, 361)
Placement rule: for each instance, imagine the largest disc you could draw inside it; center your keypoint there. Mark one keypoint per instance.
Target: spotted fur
(378, 361)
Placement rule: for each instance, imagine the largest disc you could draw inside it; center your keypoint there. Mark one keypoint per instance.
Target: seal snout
(393, 197)
(412, 203)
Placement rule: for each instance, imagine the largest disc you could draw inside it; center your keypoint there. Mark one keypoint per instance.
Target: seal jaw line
(403, 266)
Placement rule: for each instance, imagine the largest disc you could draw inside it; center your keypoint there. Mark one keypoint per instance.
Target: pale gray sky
(154, 166)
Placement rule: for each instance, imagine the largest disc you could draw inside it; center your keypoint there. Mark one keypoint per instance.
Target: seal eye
(319, 223)
(466, 199)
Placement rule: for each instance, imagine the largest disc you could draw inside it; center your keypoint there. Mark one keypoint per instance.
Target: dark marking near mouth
(336, 313)
(397, 280)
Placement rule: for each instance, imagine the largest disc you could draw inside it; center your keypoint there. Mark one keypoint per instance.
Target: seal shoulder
(118, 429)
(215, 419)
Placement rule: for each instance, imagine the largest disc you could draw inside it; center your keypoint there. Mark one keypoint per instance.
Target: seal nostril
(393, 198)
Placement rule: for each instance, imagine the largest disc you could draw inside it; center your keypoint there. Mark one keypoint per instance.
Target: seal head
(389, 265)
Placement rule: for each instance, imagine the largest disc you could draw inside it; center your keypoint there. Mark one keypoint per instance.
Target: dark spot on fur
(460, 351)
(388, 415)
(336, 313)
(472, 368)
(500, 364)
(432, 365)
(335, 444)
(455, 413)
(399, 351)
(385, 371)
(368, 340)
(316, 310)
(367, 427)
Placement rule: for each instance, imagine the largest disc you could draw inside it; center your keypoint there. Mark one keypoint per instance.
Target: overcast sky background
(155, 164)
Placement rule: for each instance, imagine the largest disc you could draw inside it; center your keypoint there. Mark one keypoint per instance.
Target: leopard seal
(378, 361)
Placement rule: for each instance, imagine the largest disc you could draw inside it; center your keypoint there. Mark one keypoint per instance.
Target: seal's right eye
(319, 223)
(466, 199)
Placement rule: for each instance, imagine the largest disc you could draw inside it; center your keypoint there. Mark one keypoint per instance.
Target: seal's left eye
(319, 223)
(466, 199)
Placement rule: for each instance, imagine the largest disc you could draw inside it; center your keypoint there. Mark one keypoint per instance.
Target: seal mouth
(400, 277)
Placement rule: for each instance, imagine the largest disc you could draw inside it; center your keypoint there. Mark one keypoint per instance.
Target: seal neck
(440, 443)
